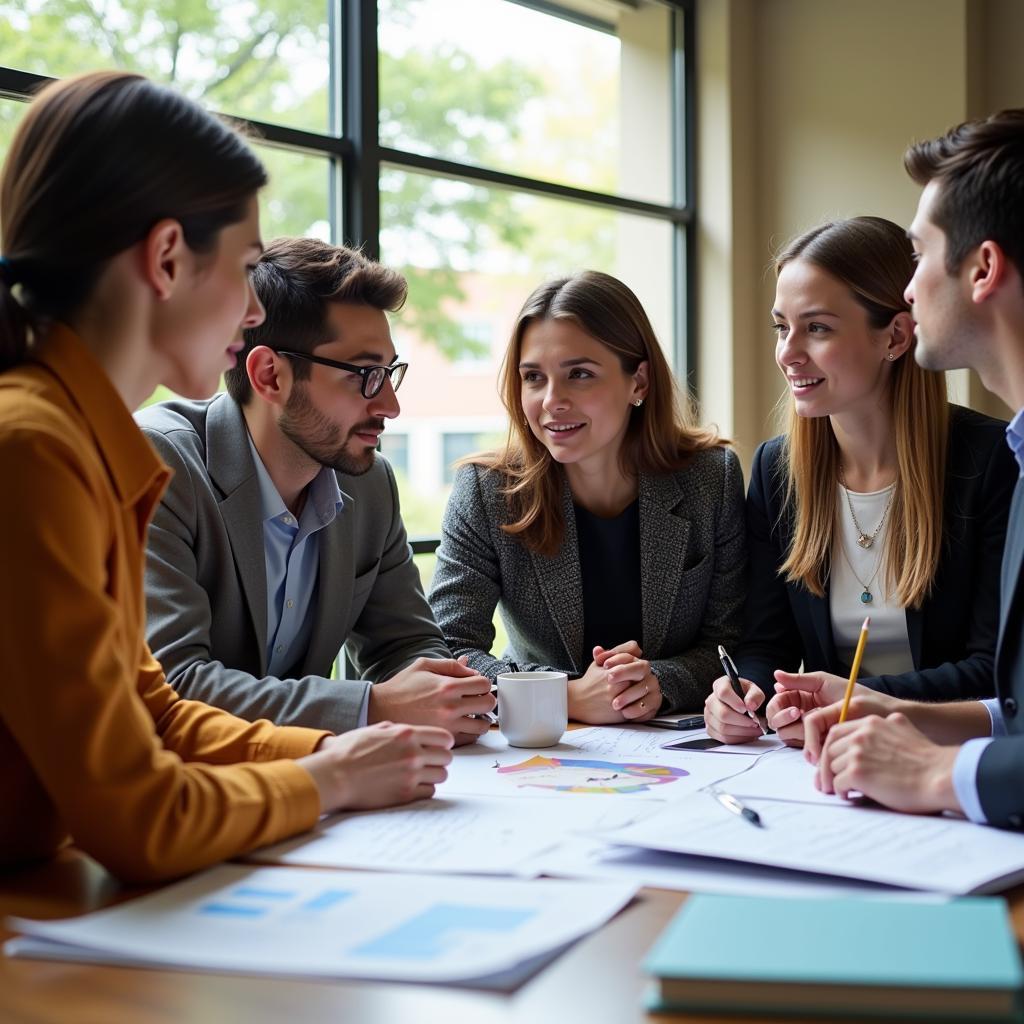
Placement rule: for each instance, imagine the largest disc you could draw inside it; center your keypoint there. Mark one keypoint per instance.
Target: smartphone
(686, 723)
(690, 722)
(702, 743)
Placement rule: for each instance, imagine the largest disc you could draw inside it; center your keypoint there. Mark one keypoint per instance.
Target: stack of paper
(334, 924)
(940, 854)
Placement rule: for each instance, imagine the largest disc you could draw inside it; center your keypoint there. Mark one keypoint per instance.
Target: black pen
(737, 687)
(730, 803)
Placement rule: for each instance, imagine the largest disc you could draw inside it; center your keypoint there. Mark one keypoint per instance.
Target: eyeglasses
(372, 376)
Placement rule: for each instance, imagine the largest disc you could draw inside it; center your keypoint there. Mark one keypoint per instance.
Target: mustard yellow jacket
(93, 741)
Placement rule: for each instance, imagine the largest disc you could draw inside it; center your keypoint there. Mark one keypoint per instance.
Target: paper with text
(941, 854)
(593, 858)
(455, 834)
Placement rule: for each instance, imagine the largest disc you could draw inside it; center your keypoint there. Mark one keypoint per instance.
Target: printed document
(940, 854)
(303, 922)
(451, 833)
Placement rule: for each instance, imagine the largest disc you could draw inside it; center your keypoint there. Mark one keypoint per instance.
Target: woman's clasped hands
(618, 686)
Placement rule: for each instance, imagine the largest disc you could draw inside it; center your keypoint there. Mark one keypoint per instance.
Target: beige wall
(806, 107)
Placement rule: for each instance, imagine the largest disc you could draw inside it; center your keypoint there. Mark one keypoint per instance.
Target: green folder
(839, 957)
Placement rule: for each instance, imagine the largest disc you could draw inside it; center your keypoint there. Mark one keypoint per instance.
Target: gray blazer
(693, 558)
(206, 588)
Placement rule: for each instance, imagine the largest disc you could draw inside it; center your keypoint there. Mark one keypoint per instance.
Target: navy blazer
(1001, 769)
(953, 633)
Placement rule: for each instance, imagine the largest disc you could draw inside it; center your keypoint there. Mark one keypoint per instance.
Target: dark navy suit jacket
(952, 635)
(1001, 769)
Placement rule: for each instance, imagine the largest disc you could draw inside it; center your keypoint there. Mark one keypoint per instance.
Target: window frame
(356, 158)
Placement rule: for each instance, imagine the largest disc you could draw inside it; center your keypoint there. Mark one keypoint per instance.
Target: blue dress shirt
(292, 551)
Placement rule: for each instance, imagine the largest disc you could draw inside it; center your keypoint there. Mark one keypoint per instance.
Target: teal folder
(839, 957)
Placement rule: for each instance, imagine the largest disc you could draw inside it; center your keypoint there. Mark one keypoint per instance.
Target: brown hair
(660, 438)
(980, 167)
(873, 258)
(295, 279)
(98, 160)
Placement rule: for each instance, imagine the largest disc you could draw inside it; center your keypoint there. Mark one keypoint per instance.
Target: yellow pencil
(856, 668)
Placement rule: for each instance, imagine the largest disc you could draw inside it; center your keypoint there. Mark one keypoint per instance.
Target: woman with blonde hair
(608, 530)
(130, 227)
(880, 499)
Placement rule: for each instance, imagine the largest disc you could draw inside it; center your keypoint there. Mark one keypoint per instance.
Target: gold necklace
(865, 539)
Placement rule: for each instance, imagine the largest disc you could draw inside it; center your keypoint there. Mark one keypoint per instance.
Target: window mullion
(361, 191)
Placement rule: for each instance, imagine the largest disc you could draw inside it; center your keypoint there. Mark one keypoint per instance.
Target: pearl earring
(638, 402)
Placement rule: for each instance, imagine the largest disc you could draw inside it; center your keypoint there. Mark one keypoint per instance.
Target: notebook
(842, 957)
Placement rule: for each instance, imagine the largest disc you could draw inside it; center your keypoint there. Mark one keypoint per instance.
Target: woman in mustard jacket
(129, 227)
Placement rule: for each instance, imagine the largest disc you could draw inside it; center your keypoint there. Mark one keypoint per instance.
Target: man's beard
(320, 438)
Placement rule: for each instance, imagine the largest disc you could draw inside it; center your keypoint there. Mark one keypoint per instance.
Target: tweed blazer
(206, 580)
(692, 561)
(1001, 768)
(952, 635)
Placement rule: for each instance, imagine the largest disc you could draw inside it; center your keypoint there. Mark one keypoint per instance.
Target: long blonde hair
(661, 436)
(873, 258)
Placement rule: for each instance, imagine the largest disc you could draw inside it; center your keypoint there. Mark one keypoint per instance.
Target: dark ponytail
(95, 163)
(14, 323)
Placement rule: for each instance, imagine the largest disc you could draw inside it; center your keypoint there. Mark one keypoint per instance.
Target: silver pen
(730, 803)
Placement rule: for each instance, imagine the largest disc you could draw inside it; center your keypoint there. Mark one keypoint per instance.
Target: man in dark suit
(280, 538)
(968, 298)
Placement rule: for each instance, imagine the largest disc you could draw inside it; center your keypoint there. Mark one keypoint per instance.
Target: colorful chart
(575, 775)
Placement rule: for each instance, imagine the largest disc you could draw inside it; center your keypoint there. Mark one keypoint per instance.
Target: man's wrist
(953, 723)
(374, 712)
(943, 791)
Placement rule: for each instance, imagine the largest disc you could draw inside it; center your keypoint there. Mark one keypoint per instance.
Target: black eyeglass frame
(363, 371)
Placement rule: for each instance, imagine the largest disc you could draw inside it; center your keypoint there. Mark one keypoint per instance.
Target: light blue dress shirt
(292, 551)
(965, 768)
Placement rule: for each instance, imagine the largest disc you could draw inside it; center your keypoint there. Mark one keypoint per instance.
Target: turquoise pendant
(866, 597)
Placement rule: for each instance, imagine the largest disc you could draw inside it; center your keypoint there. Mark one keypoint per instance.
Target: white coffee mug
(533, 707)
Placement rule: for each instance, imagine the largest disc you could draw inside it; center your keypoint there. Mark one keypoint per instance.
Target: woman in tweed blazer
(609, 530)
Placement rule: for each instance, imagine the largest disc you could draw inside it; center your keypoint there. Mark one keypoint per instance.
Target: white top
(888, 647)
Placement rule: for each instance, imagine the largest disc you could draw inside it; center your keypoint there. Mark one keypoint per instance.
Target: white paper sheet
(605, 763)
(940, 854)
(783, 774)
(307, 923)
(591, 858)
(454, 834)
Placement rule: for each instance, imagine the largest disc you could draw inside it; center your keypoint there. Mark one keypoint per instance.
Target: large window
(480, 146)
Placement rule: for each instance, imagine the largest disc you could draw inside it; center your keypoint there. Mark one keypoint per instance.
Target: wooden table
(597, 981)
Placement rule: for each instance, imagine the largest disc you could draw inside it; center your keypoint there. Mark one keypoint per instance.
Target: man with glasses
(280, 539)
